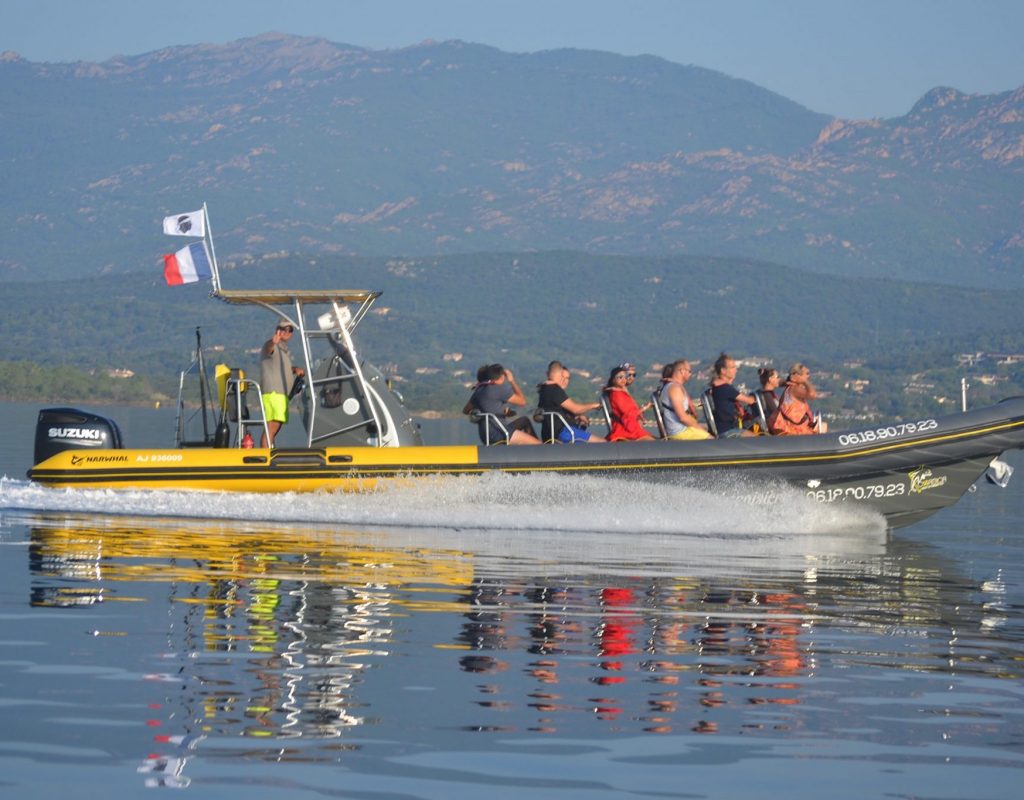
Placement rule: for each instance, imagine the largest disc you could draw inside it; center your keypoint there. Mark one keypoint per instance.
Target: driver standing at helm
(277, 376)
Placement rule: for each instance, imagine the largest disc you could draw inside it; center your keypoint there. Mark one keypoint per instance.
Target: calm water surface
(531, 636)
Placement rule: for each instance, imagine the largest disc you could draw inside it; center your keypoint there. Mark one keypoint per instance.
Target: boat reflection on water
(298, 634)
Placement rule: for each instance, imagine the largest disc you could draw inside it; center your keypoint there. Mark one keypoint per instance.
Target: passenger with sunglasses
(277, 377)
(676, 406)
(627, 416)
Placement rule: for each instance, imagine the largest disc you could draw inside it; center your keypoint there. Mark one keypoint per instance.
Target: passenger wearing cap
(277, 377)
(630, 370)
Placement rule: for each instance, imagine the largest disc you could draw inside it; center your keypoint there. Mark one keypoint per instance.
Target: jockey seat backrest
(478, 417)
(658, 416)
(707, 405)
(547, 420)
(606, 409)
(762, 417)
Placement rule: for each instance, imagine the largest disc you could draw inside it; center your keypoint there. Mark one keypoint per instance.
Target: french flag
(188, 265)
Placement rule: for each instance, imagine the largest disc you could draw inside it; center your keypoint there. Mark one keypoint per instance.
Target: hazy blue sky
(854, 58)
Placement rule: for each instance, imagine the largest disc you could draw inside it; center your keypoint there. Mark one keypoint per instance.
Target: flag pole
(213, 252)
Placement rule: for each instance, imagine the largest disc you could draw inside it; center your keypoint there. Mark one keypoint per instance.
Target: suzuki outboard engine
(60, 429)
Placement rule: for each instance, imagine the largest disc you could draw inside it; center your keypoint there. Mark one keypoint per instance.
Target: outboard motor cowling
(60, 429)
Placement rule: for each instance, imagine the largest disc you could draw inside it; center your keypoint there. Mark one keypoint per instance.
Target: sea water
(507, 636)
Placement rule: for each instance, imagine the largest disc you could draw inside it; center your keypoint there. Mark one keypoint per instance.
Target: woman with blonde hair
(794, 417)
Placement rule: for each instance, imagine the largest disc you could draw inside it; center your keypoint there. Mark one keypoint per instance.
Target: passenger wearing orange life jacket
(794, 416)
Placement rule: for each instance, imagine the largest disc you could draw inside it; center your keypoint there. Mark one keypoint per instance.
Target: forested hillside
(440, 318)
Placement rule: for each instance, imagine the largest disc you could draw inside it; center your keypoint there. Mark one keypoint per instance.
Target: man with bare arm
(277, 377)
(677, 408)
(552, 397)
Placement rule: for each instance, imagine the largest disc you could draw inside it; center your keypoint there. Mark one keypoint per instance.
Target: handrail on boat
(476, 417)
(235, 388)
(707, 404)
(659, 417)
(543, 417)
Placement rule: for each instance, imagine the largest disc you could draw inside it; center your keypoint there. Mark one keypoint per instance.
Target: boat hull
(906, 471)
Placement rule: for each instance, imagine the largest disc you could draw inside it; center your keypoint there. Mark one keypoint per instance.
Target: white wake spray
(540, 502)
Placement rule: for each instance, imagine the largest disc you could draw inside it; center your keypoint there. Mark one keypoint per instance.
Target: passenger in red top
(627, 416)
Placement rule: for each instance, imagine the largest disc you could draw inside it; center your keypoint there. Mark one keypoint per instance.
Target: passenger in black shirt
(551, 396)
(729, 402)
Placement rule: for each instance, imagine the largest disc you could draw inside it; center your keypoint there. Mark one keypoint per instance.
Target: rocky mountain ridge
(303, 145)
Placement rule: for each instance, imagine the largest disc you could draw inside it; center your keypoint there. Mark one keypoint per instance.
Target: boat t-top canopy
(280, 296)
(277, 300)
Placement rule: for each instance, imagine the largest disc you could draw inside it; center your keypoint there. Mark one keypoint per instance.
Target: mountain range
(304, 146)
